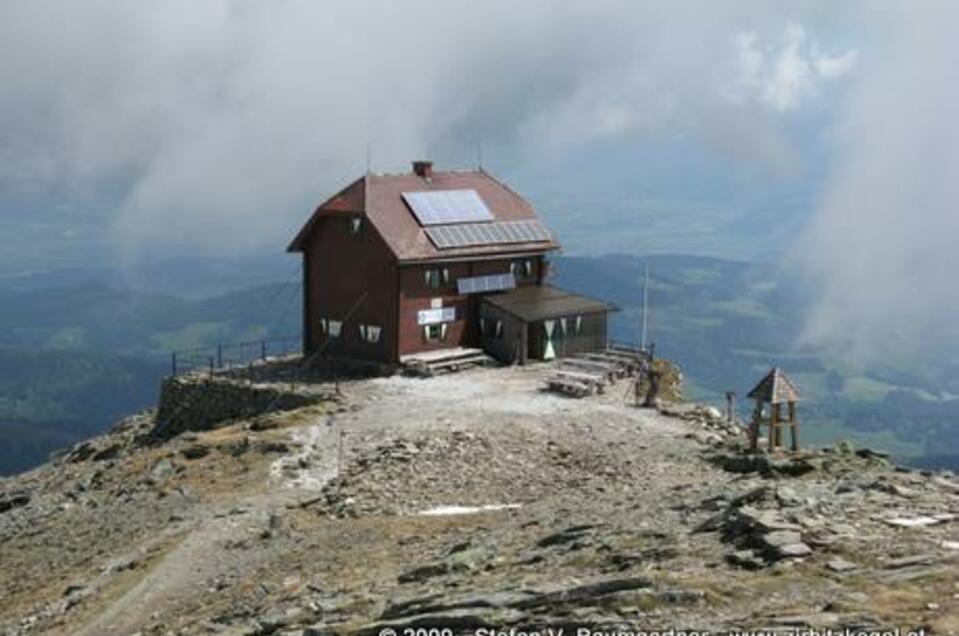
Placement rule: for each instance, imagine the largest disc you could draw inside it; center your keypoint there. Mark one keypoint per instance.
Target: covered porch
(541, 323)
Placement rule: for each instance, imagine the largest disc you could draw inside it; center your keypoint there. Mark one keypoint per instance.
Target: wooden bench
(607, 370)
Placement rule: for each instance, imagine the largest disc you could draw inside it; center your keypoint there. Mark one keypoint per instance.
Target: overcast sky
(219, 123)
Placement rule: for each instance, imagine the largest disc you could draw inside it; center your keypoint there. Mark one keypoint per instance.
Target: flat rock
(793, 551)
(841, 565)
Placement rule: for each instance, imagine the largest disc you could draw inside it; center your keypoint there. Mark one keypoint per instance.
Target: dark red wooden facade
(365, 262)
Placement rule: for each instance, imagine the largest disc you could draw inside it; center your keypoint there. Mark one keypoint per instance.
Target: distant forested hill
(74, 357)
(49, 399)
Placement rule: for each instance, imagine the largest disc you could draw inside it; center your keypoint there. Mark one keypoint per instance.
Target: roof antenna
(479, 154)
(369, 154)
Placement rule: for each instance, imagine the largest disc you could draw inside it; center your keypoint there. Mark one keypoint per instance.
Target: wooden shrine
(774, 390)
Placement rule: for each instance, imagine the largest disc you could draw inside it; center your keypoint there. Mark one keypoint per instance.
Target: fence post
(219, 354)
(174, 363)
(262, 349)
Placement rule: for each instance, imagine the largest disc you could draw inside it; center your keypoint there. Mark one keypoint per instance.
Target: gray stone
(793, 550)
(841, 565)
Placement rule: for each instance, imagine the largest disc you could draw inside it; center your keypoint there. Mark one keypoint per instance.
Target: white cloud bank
(883, 249)
(219, 123)
(780, 75)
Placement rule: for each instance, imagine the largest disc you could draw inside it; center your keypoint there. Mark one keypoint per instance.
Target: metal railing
(232, 355)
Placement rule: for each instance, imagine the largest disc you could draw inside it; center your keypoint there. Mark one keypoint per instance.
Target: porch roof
(531, 304)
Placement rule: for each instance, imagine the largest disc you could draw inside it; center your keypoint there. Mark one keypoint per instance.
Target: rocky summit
(471, 501)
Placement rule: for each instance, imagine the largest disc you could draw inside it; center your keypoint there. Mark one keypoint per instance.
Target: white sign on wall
(436, 316)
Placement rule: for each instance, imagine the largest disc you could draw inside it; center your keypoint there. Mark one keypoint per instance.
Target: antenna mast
(642, 339)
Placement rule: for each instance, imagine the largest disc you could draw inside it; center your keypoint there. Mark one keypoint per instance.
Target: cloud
(781, 75)
(219, 124)
(881, 249)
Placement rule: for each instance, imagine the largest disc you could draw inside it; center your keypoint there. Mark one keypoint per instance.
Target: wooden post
(219, 355)
(794, 426)
(773, 426)
(263, 349)
(754, 426)
(730, 396)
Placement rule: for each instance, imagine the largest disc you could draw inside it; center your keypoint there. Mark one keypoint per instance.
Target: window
(490, 328)
(432, 277)
(437, 278)
(336, 326)
(331, 328)
(370, 333)
(522, 269)
(356, 223)
(435, 333)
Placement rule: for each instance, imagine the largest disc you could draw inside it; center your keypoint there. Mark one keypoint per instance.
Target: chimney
(423, 169)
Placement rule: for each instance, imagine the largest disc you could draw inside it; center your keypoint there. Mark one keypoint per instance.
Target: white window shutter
(443, 327)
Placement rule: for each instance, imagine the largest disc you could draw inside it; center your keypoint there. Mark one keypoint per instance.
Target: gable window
(356, 224)
(522, 268)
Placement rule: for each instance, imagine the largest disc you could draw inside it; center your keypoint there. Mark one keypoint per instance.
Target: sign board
(436, 316)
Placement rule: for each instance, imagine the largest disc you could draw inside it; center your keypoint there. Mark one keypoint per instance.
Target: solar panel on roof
(438, 207)
(496, 233)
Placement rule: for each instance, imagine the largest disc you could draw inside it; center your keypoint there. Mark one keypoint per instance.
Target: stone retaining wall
(199, 403)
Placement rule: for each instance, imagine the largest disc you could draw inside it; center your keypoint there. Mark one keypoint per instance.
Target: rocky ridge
(397, 507)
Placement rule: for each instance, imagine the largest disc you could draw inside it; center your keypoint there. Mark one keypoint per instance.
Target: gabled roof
(775, 388)
(535, 302)
(379, 198)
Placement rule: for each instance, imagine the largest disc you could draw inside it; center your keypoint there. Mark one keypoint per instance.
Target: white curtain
(548, 352)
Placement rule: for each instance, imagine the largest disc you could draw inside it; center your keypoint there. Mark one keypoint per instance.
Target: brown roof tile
(379, 197)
